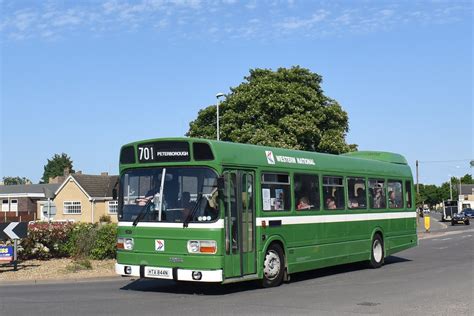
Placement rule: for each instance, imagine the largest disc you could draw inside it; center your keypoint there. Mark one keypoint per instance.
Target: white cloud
(296, 23)
(264, 19)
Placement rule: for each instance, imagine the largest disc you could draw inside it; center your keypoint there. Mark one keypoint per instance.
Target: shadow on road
(191, 288)
(345, 268)
(21, 266)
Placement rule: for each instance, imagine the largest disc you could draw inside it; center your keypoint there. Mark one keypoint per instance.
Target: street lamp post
(218, 97)
(450, 188)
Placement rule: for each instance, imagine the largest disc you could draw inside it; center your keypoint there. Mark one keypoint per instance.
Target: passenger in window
(379, 199)
(353, 203)
(361, 197)
(303, 204)
(331, 203)
(392, 200)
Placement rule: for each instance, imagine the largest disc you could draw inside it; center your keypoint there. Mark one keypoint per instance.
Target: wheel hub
(272, 265)
(377, 250)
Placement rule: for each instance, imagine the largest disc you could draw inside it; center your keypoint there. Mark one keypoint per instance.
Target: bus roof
(228, 153)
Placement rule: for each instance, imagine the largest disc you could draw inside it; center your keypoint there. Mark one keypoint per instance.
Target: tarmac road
(435, 278)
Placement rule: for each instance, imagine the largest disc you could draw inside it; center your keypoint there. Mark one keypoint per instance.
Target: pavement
(435, 278)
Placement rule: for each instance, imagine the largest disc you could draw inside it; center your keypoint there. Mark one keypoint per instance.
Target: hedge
(75, 240)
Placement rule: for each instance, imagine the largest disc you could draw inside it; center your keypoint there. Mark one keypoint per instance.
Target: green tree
(467, 179)
(56, 166)
(15, 180)
(429, 194)
(284, 108)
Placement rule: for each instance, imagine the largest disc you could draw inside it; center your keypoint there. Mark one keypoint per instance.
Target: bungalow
(19, 202)
(86, 198)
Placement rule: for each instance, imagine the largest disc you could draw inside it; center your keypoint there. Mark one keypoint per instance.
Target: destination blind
(163, 152)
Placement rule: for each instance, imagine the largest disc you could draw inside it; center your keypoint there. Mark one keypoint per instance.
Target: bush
(45, 240)
(105, 242)
(79, 241)
(105, 219)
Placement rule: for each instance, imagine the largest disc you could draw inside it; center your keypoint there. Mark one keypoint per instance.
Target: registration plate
(159, 273)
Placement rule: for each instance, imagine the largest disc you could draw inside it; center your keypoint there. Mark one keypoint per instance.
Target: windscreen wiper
(193, 211)
(142, 213)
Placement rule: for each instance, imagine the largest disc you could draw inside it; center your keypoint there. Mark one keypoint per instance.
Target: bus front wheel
(273, 266)
(377, 252)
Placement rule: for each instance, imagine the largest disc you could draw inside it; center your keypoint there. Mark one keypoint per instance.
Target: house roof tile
(27, 188)
(97, 185)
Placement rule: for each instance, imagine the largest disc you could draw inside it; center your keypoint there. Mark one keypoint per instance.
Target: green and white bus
(209, 211)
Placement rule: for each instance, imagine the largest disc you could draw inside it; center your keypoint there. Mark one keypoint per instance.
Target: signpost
(14, 231)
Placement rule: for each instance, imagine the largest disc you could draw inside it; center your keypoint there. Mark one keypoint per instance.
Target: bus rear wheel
(273, 266)
(377, 252)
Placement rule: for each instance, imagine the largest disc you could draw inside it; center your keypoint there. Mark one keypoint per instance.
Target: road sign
(6, 254)
(13, 230)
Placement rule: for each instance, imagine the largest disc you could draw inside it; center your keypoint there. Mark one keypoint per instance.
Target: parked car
(469, 212)
(460, 218)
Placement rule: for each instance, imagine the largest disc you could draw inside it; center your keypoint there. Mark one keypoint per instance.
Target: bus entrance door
(239, 200)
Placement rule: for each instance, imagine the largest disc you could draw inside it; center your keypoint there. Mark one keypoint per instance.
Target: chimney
(105, 174)
(66, 171)
(78, 172)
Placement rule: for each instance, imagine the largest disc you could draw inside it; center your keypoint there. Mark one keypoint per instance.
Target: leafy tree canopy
(432, 194)
(15, 180)
(56, 166)
(285, 108)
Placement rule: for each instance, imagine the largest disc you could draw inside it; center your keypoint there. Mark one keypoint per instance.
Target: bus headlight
(193, 246)
(125, 243)
(202, 246)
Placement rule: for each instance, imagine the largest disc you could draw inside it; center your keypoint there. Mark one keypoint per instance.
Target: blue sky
(85, 77)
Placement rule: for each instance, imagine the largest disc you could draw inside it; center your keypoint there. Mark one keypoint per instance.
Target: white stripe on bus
(217, 224)
(287, 220)
(338, 218)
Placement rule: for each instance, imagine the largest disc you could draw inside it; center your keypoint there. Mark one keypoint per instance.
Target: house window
(112, 205)
(72, 207)
(4, 205)
(14, 206)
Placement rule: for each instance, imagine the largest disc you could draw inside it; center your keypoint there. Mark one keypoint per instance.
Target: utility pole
(417, 183)
(459, 193)
(450, 189)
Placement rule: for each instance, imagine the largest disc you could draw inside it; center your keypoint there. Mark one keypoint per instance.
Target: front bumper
(178, 274)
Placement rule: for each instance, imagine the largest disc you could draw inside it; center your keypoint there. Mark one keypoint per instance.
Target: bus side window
(357, 193)
(408, 193)
(333, 193)
(276, 192)
(377, 193)
(395, 195)
(306, 187)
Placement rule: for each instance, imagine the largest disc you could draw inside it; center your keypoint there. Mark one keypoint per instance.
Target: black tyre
(467, 223)
(273, 266)
(377, 252)
(452, 223)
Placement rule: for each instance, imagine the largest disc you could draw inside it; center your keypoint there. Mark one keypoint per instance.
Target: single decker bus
(211, 211)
